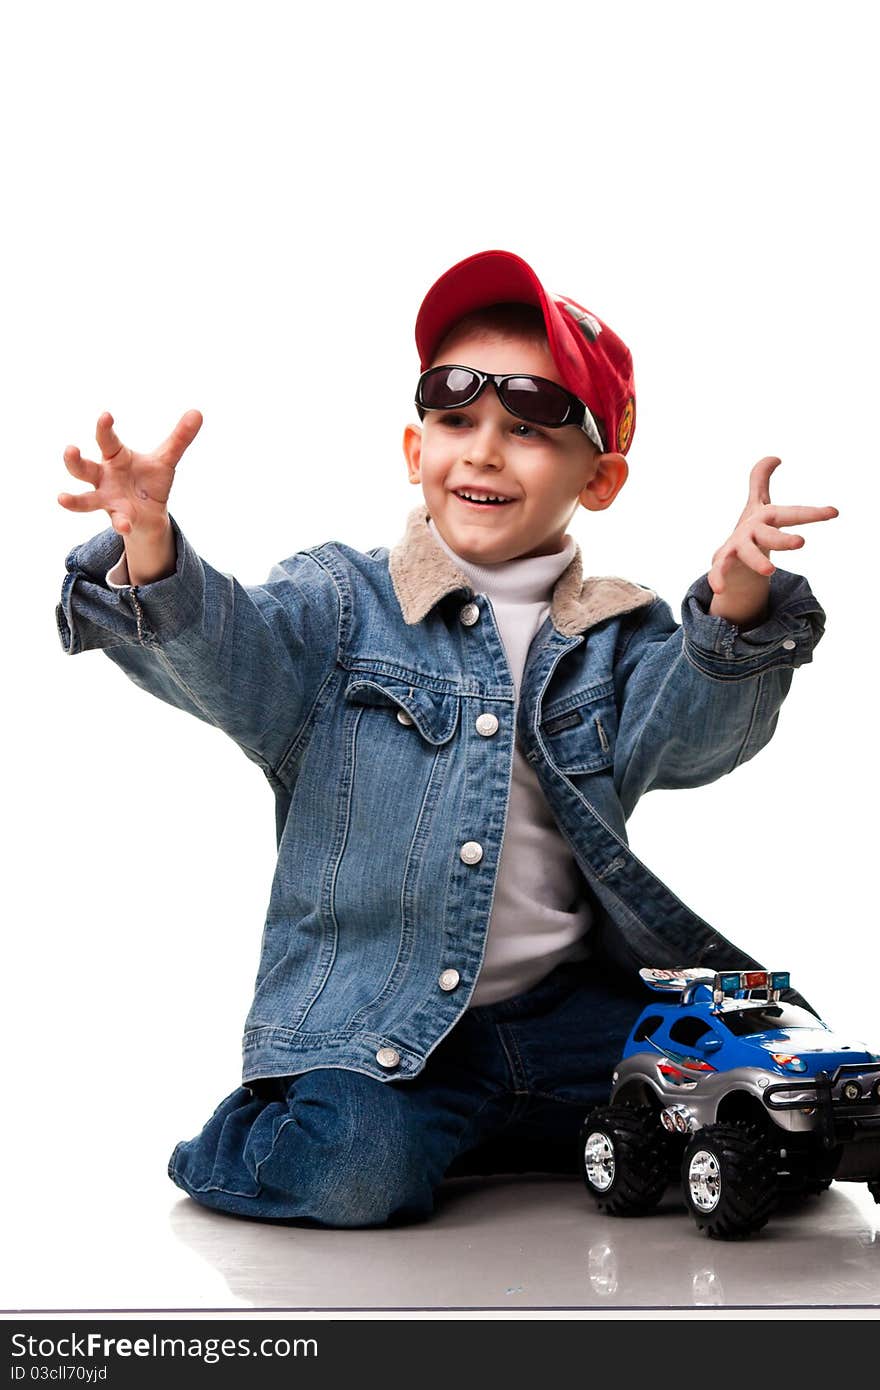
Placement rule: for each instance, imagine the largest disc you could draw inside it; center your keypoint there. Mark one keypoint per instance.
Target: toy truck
(747, 1098)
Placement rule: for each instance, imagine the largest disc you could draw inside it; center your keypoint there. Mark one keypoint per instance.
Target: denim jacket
(356, 681)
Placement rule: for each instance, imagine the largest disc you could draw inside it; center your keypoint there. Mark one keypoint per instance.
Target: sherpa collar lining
(422, 573)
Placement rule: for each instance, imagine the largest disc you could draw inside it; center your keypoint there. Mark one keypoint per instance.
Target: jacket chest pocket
(580, 731)
(432, 714)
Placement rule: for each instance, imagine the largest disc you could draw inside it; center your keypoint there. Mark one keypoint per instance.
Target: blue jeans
(506, 1091)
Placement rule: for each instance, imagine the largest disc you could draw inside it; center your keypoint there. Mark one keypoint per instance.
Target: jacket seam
(303, 735)
(648, 717)
(299, 736)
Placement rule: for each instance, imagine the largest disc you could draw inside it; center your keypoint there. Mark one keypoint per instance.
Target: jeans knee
(347, 1154)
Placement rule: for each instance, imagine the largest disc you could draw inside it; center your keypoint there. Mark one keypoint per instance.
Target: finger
(799, 516)
(756, 560)
(80, 501)
(86, 469)
(759, 478)
(181, 436)
(768, 538)
(716, 575)
(108, 441)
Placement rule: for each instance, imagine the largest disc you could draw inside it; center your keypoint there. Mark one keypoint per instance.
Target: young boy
(455, 732)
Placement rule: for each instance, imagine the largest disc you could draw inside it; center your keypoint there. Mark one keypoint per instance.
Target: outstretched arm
(247, 659)
(698, 699)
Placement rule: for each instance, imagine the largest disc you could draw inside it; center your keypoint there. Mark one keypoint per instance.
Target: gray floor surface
(499, 1243)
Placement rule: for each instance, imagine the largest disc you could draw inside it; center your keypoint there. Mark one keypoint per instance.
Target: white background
(240, 210)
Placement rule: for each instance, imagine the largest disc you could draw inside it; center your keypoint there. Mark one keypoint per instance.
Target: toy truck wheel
(729, 1178)
(624, 1158)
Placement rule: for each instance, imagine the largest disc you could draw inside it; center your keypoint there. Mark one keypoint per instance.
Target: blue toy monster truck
(747, 1097)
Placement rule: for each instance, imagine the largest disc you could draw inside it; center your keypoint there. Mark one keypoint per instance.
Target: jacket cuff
(93, 613)
(794, 623)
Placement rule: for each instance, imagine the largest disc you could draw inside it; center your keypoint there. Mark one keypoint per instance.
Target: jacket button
(469, 614)
(388, 1057)
(449, 979)
(487, 724)
(403, 717)
(789, 645)
(471, 852)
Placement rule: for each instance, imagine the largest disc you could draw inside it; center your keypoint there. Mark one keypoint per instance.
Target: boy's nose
(483, 447)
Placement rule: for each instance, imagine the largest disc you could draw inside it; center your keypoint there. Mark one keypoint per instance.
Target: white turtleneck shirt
(540, 911)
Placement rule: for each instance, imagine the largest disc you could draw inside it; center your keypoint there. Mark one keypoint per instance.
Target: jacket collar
(422, 573)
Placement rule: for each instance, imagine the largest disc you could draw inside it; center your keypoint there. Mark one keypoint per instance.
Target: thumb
(759, 480)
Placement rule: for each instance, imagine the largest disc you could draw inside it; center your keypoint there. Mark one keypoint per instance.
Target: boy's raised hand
(741, 567)
(131, 488)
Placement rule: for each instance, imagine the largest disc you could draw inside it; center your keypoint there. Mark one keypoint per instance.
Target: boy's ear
(609, 475)
(412, 449)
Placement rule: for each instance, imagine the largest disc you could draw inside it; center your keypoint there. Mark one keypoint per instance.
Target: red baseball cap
(591, 360)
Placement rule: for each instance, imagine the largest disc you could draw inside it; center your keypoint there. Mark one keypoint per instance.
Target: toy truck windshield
(765, 1018)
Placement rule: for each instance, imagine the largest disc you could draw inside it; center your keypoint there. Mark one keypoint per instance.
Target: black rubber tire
(640, 1154)
(748, 1184)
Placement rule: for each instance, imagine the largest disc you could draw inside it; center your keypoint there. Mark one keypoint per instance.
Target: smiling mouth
(474, 500)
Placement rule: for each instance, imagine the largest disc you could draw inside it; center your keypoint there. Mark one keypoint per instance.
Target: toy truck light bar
(739, 983)
(742, 982)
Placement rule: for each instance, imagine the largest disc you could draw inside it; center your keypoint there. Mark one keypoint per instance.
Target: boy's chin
(486, 549)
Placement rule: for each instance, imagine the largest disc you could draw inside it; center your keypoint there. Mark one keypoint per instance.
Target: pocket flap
(434, 714)
(580, 731)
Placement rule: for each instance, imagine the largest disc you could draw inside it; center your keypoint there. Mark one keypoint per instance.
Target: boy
(455, 732)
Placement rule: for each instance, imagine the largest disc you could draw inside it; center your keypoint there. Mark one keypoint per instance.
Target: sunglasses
(531, 398)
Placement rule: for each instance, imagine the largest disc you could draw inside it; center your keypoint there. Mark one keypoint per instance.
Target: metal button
(789, 644)
(487, 724)
(471, 852)
(469, 614)
(449, 979)
(388, 1057)
(403, 717)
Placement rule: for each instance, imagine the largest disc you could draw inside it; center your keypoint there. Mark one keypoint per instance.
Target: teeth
(483, 497)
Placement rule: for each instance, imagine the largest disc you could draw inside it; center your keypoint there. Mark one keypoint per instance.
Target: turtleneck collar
(530, 579)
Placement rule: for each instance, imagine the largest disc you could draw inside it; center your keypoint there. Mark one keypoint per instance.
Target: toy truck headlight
(788, 1062)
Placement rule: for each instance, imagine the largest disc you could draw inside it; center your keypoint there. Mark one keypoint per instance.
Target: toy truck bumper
(845, 1111)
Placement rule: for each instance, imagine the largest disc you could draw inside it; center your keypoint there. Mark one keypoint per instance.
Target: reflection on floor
(539, 1243)
(496, 1243)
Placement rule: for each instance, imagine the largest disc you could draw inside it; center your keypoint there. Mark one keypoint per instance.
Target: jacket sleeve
(696, 700)
(249, 659)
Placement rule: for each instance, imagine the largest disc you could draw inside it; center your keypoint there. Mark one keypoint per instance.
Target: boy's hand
(131, 488)
(741, 567)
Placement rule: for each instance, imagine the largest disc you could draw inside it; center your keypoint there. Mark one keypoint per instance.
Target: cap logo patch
(625, 425)
(586, 322)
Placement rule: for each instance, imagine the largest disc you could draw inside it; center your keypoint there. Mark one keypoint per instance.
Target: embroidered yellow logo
(625, 425)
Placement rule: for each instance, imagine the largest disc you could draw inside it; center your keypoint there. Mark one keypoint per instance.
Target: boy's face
(545, 473)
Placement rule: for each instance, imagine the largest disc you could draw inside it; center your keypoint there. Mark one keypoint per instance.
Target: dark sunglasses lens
(535, 399)
(445, 387)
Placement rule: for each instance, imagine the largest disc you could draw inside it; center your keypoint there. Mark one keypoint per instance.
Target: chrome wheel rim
(704, 1180)
(599, 1160)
